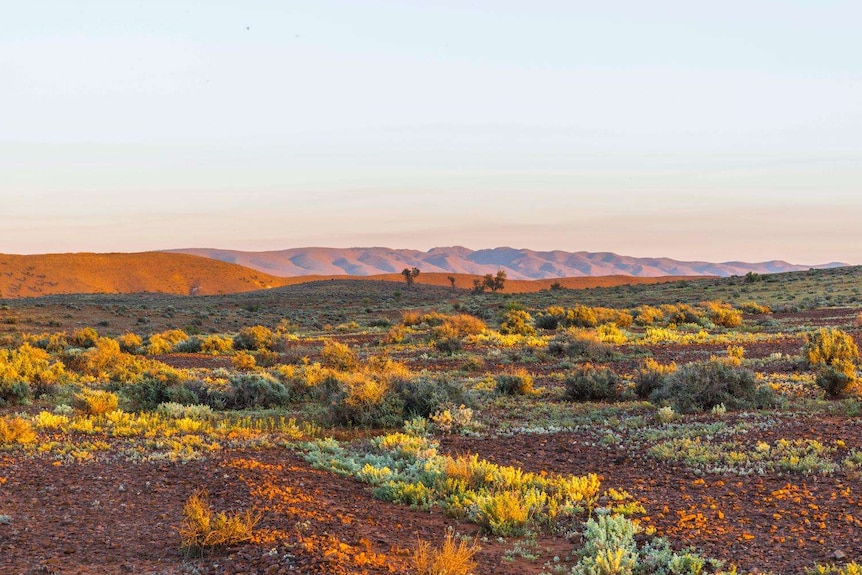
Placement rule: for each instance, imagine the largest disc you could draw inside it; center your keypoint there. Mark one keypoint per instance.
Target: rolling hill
(36, 275)
(519, 264)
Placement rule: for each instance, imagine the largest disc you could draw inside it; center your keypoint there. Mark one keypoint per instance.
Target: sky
(693, 130)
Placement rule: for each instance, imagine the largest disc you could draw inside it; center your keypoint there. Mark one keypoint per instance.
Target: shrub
(202, 527)
(723, 314)
(650, 377)
(194, 344)
(837, 378)
(828, 345)
(338, 356)
(680, 313)
(610, 333)
(216, 344)
(130, 343)
(505, 513)
(16, 430)
(251, 391)
(152, 390)
(754, 308)
(581, 345)
(453, 558)
(588, 383)
(700, 386)
(164, 342)
(520, 383)
(551, 318)
(453, 420)
(609, 547)
(517, 322)
(52, 343)
(648, 315)
(85, 337)
(254, 338)
(243, 361)
(581, 316)
(26, 370)
(463, 324)
(426, 395)
(360, 399)
(95, 401)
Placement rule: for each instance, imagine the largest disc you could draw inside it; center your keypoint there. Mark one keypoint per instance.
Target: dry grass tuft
(202, 527)
(453, 558)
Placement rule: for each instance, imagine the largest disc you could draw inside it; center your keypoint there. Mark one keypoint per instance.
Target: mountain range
(521, 264)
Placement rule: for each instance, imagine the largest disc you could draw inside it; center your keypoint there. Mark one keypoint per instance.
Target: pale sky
(694, 130)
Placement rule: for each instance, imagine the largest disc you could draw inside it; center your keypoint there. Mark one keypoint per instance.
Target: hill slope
(518, 263)
(35, 275)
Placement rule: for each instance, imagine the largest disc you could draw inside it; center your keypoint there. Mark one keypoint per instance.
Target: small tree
(479, 286)
(499, 281)
(410, 275)
(451, 281)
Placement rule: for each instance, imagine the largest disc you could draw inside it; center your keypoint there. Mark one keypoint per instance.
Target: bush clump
(700, 386)
(650, 377)
(517, 322)
(338, 356)
(828, 345)
(95, 401)
(254, 338)
(833, 354)
(581, 345)
(25, 371)
(520, 383)
(589, 383)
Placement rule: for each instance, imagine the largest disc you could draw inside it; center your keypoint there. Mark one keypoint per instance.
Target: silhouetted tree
(410, 275)
(451, 281)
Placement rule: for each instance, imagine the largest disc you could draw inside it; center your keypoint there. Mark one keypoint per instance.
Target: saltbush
(588, 383)
(700, 386)
(517, 322)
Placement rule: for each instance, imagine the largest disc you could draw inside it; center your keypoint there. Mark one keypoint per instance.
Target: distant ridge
(520, 264)
(24, 276)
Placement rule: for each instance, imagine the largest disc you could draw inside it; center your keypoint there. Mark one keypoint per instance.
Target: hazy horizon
(693, 132)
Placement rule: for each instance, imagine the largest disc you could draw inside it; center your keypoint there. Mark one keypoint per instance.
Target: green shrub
(700, 386)
(581, 345)
(366, 401)
(425, 395)
(609, 547)
(837, 379)
(251, 391)
(515, 383)
(150, 391)
(651, 376)
(193, 344)
(589, 383)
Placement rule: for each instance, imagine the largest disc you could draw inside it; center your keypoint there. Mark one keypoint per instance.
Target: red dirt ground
(116, 517)
(112, 516)
(779, 524)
